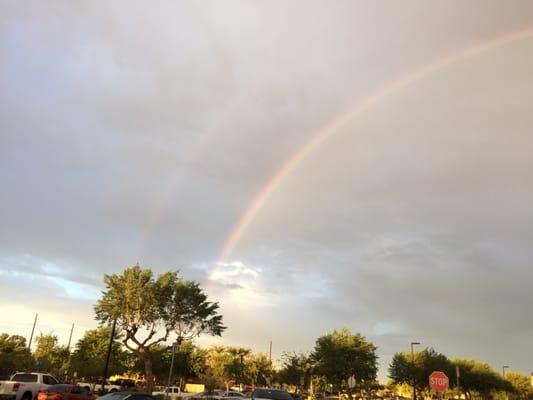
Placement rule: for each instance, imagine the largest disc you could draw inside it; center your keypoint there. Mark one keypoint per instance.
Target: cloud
(141, 134)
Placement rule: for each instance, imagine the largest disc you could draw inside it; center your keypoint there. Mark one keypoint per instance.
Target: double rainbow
(358, 108)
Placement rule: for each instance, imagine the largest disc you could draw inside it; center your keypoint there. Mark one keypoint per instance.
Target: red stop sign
(438, 381)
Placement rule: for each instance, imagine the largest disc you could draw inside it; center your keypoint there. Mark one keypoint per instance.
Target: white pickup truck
(25, 385)
(172, 393)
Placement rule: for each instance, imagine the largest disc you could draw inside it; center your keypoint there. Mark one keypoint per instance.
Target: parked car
(65, 392)
(127, 396)
(270, 394)
(109, 386)
(25, 385)
(233, 395)
(205, 395)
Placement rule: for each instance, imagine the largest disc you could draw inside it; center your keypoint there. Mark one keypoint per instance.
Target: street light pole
(413, 368)
(242, 371)
(174, 348)
(504, 367)
(109, 349)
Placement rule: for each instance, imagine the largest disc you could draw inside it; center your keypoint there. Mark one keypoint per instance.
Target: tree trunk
(148, 372)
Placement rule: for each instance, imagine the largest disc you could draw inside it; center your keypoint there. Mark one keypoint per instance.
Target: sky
(143, 132)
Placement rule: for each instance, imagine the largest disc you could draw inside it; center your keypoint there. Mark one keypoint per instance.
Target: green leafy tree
(189, 362)
(51, 357)
(211, 382)
(258, 369)
(295, 366)
(404, 369)
(478, 379)
(520, 385)
(149, 309)
(219, 366)
(14, 355)
(133, 364)
(340, 354)
(89, 356)
(236, 367)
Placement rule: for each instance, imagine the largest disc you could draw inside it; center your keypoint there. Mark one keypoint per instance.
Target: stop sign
(438, 381)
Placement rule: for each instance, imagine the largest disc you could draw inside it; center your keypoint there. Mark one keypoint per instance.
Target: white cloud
(121, 144)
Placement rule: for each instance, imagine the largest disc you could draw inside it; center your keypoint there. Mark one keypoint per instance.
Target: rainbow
(358, 108)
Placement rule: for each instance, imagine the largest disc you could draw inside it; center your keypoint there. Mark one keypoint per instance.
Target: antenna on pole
(32, 330)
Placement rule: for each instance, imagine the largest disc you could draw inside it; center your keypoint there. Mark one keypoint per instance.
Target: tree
(296, 366)
(340, 354)
(189, 362)
(478, 379)
(403, 370)
(14, 355)
(218, 366)
(89, 356)
(149, 309)
(236, 367)
(49, 355)
(258, 369)
(520, 384)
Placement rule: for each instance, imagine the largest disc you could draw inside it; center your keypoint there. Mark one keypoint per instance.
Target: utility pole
(457, 375)
(413, 365)
(68, 349)
(32, 330)
(174, 348)
(270, 353)
(70, 338)
(109, 354)
(242, 371)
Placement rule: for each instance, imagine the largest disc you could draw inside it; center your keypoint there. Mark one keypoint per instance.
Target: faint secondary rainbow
(359, 107)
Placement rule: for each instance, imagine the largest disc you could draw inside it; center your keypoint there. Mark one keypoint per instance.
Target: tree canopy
(89, 356)
(49, 355)
(149, 310)
(405, 368)
(296, 368)
(478, 378)
(14, 354)
(520, 385)
(340, 354)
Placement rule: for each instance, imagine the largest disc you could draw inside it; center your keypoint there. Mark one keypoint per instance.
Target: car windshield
(271, 394)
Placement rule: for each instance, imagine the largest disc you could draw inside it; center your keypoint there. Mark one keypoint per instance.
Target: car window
(24, 378)
(60, 388)
(271, 394)
(49, 380)
(140, 397)
(76, 390)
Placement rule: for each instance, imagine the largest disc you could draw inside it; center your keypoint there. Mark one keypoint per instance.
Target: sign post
(351, 385)
(439, 382)
(351, 382)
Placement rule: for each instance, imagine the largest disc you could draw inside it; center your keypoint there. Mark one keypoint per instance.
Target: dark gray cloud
(134, 133)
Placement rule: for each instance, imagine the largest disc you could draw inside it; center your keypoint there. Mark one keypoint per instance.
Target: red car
(65, 392)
